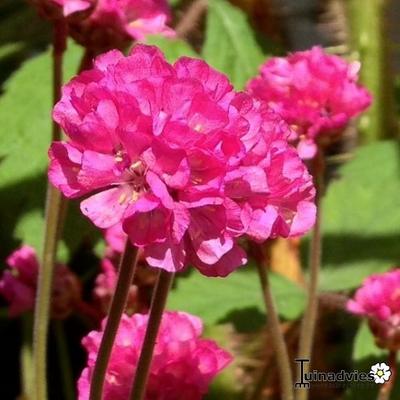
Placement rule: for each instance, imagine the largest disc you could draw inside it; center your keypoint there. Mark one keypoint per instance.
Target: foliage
(230, 44)
(361, 217)
(25, 135)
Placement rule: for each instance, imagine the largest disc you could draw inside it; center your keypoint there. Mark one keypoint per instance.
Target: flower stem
(26, 360)
(156, 311)
(191, 18)
(387, 387)
(278, 340)
(125, 277)
(64, 360)
(53, 204)
(307, 329)
(60, 30)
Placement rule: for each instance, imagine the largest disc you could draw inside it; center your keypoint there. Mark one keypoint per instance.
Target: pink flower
(105, 286)
(54, 9)
(183, 365)
(183, 162)
(316, 93)
(19, 282)
(379, 296)
(379, 300)
(115, 23)
(115, 239)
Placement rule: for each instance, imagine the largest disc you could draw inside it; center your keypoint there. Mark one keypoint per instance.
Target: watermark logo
(380, 372)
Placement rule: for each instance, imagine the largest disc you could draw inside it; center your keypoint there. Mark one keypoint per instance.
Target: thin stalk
(26, 361)
(53, 203)
(307, 329)
(125, 277)
(386, 389)
(158, 302)
(67, 377)
(278, 340)
(191, 17)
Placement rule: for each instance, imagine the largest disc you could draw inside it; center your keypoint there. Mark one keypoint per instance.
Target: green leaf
(25, 111)
(215, 299)
(364, 345)
(361, 218)
(172, 48)
(230, 44)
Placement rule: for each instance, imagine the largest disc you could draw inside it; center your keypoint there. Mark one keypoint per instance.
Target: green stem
(158, 303)
(278, 340)
(369, 39)
(26, 360)
(307, 329)
(53, 204)
(64, 360)
(386, 389)
(125, 277)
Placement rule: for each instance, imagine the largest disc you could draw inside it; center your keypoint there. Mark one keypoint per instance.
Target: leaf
(25, 111)
(213, 299)
(361, 218)
(172, 48)
(230, 44)
(364, 345)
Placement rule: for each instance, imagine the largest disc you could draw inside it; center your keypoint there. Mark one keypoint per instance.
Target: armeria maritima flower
(378, 299)
(116, 23)
(183, 364)
(19, 282)
(315, 92)
(56, 9)
(185, 163)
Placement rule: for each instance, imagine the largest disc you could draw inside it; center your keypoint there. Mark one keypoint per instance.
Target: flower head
(19, 282)
(316, 93)
(378, 299)
(181, 160)
(55, 9)
(115, 23)
(183, 365)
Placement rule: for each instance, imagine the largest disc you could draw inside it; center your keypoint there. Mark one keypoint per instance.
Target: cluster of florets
(315, 92)
(185, 164)
(378, 299)
(19, 283)
(101, 25)
(183, 364)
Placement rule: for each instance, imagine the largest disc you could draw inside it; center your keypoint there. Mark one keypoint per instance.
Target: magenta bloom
(315, 92)
(105, 286)
(378, 299)
(115, 23)
(183, 162)
(54, 9)
(115, 239)
(19, 282)
(183, 364)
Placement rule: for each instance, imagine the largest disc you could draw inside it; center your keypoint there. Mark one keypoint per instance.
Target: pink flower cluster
(184, 162)
(107, 24)
(316, 93)
(115, 23)
(19, 282)
(55, 9)
(379, 300)
(183, 364)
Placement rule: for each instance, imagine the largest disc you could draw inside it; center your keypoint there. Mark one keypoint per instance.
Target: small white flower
(381, 372)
